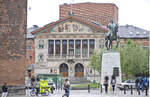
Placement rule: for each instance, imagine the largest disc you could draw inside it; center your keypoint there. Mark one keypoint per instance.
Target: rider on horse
(111, 34)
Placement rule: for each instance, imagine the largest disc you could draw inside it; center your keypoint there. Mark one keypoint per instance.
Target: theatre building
(65, 46)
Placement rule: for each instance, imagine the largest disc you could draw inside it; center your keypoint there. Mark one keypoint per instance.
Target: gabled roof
(89, 23)
(130, 31)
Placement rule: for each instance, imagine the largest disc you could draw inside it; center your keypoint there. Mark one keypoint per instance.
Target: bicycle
(34, 91)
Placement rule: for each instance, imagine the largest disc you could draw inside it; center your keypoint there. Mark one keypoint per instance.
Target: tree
(96, 59)
(134, 59)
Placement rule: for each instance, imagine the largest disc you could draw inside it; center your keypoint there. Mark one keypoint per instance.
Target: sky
(131, 12)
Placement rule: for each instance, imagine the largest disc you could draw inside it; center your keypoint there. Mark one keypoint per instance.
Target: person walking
(137, 83)
(4, 90)
(113, 82)
(37, 86)
(106, 83)
(66, 88)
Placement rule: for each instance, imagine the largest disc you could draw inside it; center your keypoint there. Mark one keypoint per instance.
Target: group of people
(112, 83)
(142, 83)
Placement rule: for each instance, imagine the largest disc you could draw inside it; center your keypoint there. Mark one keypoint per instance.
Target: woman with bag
(106, 83)
(113, 82)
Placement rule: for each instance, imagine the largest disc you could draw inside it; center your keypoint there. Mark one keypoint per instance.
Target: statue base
(110, 66)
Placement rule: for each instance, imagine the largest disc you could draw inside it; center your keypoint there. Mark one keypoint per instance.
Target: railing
(68, 56)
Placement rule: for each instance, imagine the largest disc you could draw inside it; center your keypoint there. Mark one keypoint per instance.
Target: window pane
(51, 47)
(64, 47)
(57, 48)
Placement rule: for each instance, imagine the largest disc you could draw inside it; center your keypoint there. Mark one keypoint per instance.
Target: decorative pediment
(70, 27)
(71, 24)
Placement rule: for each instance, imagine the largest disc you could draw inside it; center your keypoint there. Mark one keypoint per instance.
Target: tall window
(84, 46)
(71, 46)
(78, 46)
(91, 45)
(51, 47)
(64, 46)
(57, 46)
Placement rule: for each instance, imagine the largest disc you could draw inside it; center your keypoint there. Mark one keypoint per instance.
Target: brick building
(138, 35)
(101, 13)
(13, 22)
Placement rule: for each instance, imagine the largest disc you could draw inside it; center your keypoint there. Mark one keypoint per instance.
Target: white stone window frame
(41, 57)
(41, 44)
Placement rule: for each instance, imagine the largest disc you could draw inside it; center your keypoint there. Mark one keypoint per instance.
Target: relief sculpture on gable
(71, 27)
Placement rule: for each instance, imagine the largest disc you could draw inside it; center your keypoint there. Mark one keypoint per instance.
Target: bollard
(88, 88)
(131, 90)
(101, 89)
(124, 90)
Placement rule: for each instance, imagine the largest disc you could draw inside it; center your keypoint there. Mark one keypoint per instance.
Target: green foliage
(85, 85)
(134, 59)
(96, 60)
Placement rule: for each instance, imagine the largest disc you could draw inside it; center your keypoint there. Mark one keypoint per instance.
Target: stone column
(88, 48)
(74, 48)
(54, 49)
(67, 47)
(61, 48)
(81, 49)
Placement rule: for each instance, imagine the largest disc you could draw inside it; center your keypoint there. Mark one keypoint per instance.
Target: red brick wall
(143, 42)
(13, 21)
(101, 12)
(29, 52)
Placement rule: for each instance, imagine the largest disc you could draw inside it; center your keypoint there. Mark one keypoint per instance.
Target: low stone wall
(15, 90)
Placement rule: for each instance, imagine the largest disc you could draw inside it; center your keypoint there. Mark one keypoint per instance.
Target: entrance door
(63, 68)
(79, 70)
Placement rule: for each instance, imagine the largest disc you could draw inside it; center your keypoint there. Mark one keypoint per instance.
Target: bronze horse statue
(111, 35)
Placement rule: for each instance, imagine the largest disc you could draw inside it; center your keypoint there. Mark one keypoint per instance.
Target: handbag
(110, 88)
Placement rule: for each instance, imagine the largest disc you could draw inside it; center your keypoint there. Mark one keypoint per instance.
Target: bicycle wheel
(32, 93)
(46, 92)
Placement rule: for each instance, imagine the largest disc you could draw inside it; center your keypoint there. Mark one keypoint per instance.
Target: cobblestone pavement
(93, 93)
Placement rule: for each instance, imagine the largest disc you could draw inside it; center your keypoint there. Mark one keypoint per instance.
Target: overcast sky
(132, 12)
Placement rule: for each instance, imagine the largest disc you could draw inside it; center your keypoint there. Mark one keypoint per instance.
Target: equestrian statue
(111, 35)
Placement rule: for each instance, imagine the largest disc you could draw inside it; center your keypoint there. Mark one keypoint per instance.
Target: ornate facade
(65, 46)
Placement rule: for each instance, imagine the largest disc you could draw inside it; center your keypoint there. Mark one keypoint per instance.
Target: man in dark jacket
(66, 88)
(4, 90)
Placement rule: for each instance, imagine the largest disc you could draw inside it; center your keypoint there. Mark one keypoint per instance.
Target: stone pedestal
(110, 66)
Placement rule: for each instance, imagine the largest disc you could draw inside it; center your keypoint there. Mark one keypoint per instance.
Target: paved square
(93, 93)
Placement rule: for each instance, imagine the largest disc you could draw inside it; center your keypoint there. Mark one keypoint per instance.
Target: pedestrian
(4, 90)
(37, 86)
(137, 83)
(142, 83)
(113, 82)
(145, 80)
(106, 83)
(66, 88)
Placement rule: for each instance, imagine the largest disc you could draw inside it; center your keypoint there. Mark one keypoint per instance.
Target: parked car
(126, 84)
